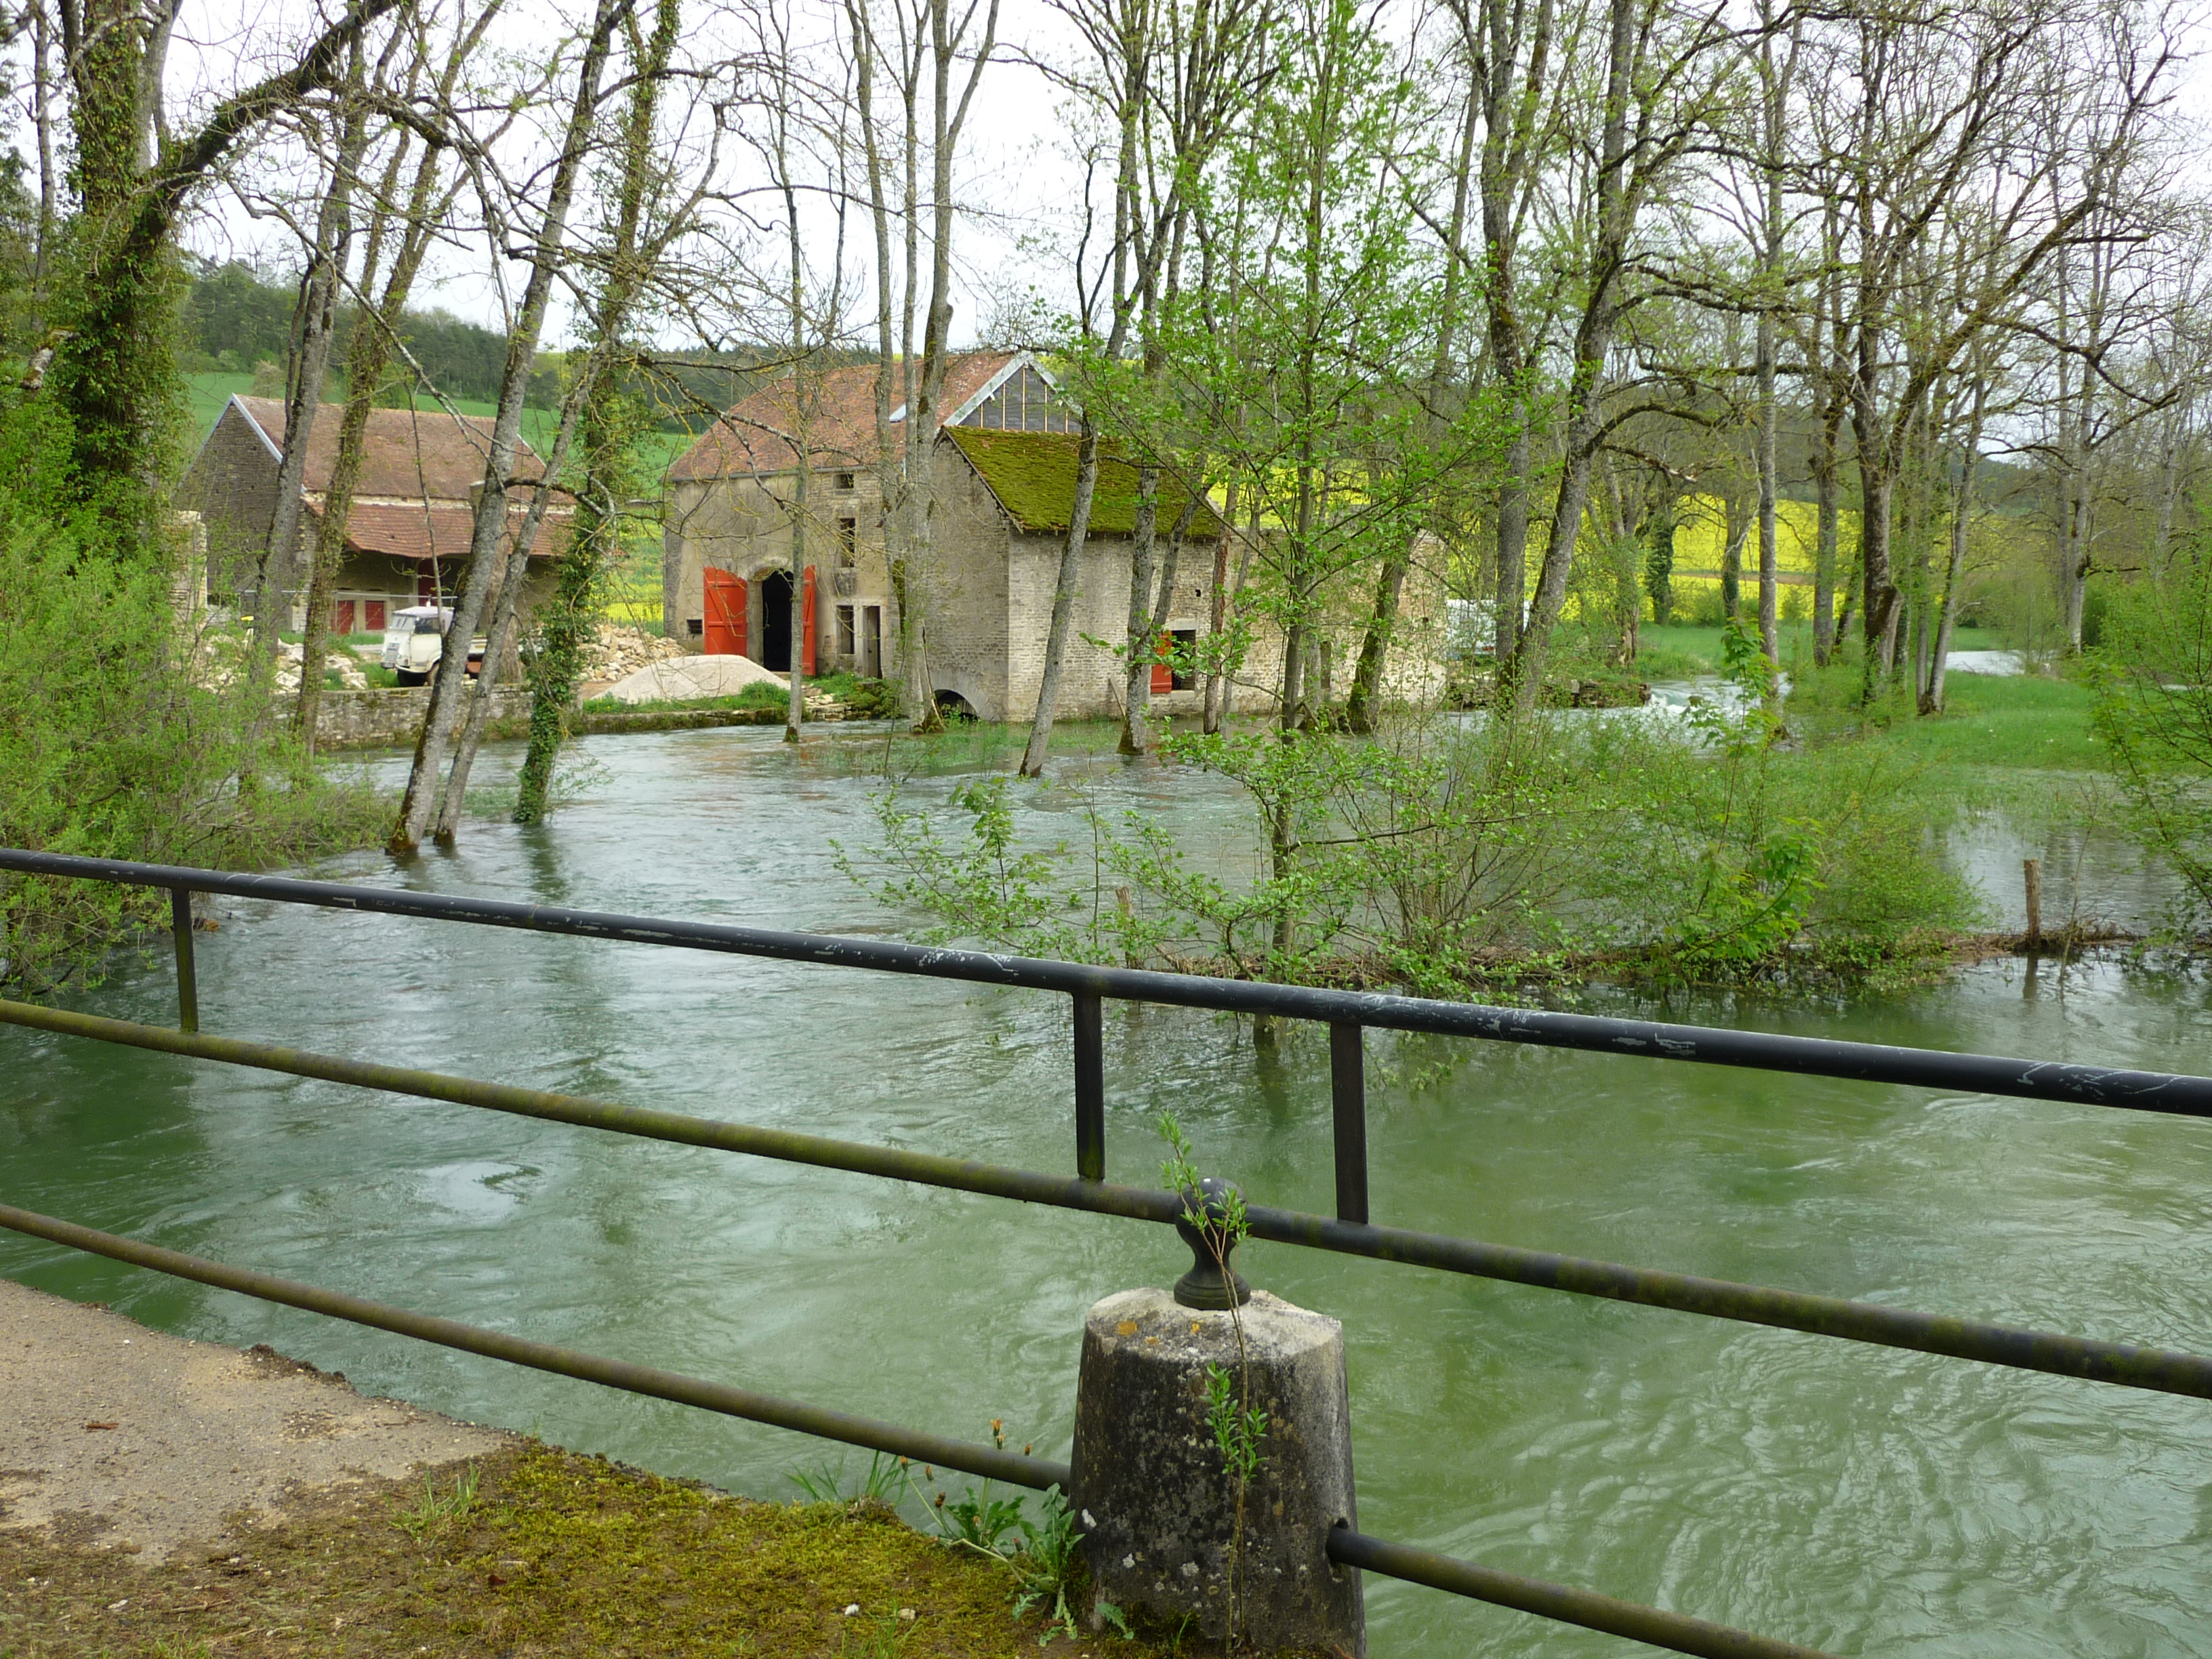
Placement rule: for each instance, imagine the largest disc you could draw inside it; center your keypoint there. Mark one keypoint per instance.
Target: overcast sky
(1019, 175)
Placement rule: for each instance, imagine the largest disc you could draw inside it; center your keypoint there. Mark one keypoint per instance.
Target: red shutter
(724, 634)
(1162, 675)
(806, 621)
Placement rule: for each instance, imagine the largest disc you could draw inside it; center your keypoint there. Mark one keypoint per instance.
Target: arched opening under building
(954, 706)
(775, 621)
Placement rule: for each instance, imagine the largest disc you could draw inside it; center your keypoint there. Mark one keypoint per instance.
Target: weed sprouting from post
(1237, 1426)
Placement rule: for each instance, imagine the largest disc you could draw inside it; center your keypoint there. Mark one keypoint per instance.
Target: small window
(849, 533)
(845, 630)
(1186, 651)
(695, 626)
(845, 481)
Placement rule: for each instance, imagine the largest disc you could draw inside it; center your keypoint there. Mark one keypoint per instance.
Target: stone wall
(394, 720)
(743, 525)
(232, 485)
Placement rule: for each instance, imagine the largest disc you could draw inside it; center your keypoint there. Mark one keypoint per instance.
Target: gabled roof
(761, 433)
(1032, 474)
(423, 530)
(405, 454)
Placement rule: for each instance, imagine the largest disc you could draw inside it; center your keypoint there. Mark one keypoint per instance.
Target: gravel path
(118, 1438)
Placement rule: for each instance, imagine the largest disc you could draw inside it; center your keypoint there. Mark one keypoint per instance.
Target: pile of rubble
(336, 656)
(617, 651)
(219, 666)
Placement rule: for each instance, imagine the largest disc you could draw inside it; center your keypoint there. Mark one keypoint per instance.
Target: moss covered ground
(552, 1553)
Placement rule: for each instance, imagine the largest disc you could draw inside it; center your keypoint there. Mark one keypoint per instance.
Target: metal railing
(1349, 1231)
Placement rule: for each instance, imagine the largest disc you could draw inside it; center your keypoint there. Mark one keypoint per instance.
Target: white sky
(1015, 165)
(1019, 175)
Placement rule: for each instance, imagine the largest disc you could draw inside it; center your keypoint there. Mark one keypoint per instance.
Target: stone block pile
(618, 651)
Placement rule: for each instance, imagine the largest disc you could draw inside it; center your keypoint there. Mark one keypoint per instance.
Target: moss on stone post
(1156, 1501)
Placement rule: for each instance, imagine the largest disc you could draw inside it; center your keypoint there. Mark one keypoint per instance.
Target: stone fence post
(1165, 1535)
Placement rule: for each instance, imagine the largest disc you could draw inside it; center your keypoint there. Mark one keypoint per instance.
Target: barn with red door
(746, 528)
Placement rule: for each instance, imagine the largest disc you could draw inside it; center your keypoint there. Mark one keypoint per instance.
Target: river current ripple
(1854, 1499)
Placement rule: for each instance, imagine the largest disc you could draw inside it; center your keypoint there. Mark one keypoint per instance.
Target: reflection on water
(1867, 1502)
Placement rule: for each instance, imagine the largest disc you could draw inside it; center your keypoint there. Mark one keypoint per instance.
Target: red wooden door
(341, 616)
(806, 621)
(725, 629)
(1162, 675)
(373, 622)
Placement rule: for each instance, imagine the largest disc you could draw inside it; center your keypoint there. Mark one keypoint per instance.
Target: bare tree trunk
(311, 363)
(1063, 599)
(1163, 608)
(1769, 562)
(432, 748)
(1389, 588)
(376, 328)
(1736, 530)
(606, 427)
(794, 715)
(1218, 665)
(513, 577)
(1144, 637)
(42, 120)
(1962, 505)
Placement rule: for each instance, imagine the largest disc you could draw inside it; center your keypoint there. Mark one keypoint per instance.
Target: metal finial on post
(1212, 1283)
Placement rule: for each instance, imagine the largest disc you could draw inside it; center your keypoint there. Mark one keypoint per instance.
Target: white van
(415, 640)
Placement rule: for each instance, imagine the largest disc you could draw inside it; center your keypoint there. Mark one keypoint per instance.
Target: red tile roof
(760, 434)
(405, 452)
(422, 531)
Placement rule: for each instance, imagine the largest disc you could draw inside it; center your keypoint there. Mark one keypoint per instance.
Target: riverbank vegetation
(1475, 384)
(544, 1552)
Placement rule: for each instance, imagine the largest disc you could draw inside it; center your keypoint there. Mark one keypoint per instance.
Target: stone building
(407, 536)
(1004, 477)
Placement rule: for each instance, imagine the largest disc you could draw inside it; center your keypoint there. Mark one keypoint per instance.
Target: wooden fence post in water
(2031, 872)
(1167, 1534)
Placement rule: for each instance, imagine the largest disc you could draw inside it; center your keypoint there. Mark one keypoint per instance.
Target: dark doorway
(776, 622)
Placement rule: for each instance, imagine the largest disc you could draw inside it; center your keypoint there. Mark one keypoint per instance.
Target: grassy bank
(540, 1551)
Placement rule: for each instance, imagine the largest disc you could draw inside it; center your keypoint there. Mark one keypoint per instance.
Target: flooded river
(1854, 1499)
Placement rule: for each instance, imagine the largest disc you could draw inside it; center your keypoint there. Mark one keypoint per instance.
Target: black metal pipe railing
(1864, 1062)
(967, 1456)
(188, 982)
(1349, 1232)
(1558, 1602)
(1347, 1106)
(1090, 1088)
(1569, 1606)
(2125, 1364)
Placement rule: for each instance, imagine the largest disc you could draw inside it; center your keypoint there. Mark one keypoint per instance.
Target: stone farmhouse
(1003, 475)
(407, 536)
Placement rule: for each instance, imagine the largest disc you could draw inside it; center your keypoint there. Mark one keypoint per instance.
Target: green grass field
(2019, 722)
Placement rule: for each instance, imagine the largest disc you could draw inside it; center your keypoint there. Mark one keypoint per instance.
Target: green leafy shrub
(110, 744)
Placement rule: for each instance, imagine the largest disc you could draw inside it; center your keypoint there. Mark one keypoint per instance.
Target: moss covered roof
(1033, 476)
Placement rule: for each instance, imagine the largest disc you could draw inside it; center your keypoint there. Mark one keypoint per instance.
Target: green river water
(1859, 1500)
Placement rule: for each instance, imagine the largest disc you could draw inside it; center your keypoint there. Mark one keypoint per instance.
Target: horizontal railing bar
(1866, 1062)
(927, 1169)
(968, 1456)
(2123, 1364)
(1676, 1632)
